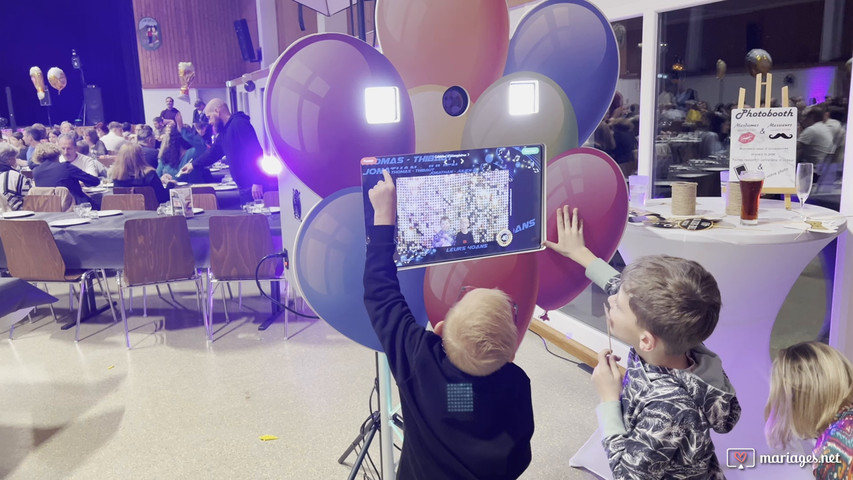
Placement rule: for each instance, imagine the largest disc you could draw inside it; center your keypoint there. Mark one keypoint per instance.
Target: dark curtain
(44, 33)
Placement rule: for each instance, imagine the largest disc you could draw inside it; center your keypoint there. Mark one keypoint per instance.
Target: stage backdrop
(43, 34)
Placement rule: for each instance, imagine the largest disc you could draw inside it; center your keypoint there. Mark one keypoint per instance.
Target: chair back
(206, 201)
(127, 201)
(198, 190)
(237, 244)
(151, 202)
(66, 200)
(271, 199)
(42, 203)
(31, 251)
(157, 250)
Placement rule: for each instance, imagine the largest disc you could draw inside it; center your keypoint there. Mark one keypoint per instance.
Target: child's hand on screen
(570, 242)
(383, 197)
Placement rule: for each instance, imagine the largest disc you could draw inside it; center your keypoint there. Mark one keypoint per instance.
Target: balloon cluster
(315, 114)
(55, 76)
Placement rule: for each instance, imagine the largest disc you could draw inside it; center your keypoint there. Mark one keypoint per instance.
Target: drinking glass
(85, 208)
(805, 174)
(751, 183)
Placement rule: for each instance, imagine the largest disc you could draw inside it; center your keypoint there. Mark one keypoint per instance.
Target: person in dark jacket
(49, 172)
(237, 141)
(467, 407)
(131, 170)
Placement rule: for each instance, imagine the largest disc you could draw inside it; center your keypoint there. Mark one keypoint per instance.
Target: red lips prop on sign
(746, 137)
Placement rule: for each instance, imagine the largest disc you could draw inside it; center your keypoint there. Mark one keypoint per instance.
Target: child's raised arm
(570, 241)
(383, 197)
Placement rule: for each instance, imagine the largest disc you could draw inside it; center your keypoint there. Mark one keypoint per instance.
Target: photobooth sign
(765, 139)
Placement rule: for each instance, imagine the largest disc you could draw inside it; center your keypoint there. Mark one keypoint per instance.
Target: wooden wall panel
(287, 12)
(198, 31)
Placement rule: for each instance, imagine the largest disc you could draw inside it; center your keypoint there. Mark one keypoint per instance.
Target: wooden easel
(786, 192)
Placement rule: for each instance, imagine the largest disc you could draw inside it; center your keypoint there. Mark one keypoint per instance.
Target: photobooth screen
(454, 206)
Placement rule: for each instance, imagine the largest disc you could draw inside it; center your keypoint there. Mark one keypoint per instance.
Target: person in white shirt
(815, 142)
(68, 146)
(115, 139)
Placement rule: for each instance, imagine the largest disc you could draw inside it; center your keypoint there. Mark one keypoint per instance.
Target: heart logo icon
(741, 456)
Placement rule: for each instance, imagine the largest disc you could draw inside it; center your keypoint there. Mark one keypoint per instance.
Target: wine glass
(85, 208)
(805, 172)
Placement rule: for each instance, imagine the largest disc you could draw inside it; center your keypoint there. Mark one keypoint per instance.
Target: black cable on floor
(283, 256)
(545, 343)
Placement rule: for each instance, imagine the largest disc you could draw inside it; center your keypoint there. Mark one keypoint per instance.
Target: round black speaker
(455, 101)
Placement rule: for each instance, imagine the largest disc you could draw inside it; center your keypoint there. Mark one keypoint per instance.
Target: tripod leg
(374, 427)
(370, 422)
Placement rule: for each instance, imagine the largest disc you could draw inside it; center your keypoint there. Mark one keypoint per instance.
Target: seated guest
(115, 139)
(68, 146)
(159, 129)
(96, 146)
(66, 127)
(145, 139)
(177, 150)
(50, 172)
(127, 131)
(131, 170)
(13, 185)
(32, 138)
(101, 129)
(204, 130)
(53, 135)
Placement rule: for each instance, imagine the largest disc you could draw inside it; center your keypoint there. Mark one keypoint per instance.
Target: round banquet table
(755, 268)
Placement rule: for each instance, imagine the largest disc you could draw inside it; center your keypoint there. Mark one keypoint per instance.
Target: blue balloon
(571, 42)
(328, 263)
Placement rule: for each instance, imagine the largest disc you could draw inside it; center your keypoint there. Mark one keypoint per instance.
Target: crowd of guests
(127, 155)
(820, 140)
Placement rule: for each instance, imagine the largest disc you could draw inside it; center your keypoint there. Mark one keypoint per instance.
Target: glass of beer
(751, 183)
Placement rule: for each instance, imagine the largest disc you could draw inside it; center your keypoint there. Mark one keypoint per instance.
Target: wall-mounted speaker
(247, 49)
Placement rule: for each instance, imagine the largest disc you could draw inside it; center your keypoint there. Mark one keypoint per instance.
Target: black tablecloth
(16, 294)
(100, 243)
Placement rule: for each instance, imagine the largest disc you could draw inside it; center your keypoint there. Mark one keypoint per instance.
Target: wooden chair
(42, 203)
(237, 244)
(66, 201)
(37, 259)
(151, 202)
(200, 190)
(157, 250)
(271, 199)
(126, 201)
(206, 201)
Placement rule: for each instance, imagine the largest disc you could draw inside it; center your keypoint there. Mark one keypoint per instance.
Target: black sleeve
(210, 156)
(159, 190)
(82, 176)
(392, 320)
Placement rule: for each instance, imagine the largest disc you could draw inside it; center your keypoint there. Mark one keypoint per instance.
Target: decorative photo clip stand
(768, 85)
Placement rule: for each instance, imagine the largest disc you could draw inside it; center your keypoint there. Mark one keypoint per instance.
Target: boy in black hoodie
(467, 407)
(657, 419)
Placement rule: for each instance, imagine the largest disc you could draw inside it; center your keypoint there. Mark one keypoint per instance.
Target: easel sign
(765, 139)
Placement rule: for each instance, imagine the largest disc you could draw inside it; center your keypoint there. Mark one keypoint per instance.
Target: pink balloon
(514, 274)
(445, 42)
(590, 180)
(316, 114)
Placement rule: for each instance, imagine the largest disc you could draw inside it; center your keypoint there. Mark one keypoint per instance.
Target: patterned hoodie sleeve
(665, 431)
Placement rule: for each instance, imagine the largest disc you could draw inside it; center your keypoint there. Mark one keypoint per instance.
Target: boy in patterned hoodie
(657, 420)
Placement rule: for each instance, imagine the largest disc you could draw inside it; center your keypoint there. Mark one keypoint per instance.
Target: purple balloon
(571, 42)
(328, 264)
(315, 110)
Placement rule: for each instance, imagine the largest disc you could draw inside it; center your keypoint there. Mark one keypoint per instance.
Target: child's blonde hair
(480, 335)
(809, 383)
